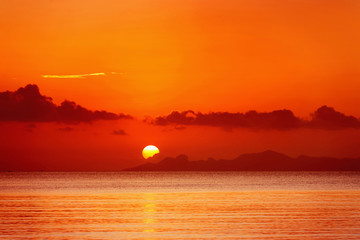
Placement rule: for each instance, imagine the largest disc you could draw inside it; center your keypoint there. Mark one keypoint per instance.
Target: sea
(179, 205)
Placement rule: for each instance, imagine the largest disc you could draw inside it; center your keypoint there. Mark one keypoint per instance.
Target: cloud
(326, 117)
(85, 75)
(31, 125)
(75, 75)
(28, 105)
(66, 129)
(323, 118)
(280, 119)
(179, 128)
(119, 132)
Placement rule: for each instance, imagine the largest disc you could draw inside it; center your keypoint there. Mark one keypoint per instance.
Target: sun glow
(150, 151)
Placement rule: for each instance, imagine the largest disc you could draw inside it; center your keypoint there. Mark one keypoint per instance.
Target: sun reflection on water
(149, 214)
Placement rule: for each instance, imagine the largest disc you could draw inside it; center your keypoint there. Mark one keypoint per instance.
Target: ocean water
(180, 205)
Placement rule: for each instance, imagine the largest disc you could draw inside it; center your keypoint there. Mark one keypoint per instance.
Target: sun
(150, 151)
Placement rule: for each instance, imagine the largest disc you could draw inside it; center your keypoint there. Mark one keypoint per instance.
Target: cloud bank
(28, 105)
(323, 118)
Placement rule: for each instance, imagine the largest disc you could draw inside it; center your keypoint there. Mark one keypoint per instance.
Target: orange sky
(151, 57)
(181, 55)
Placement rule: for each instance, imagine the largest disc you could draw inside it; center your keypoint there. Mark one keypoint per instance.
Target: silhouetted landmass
(28, 105)
(264, 161)
(323, 118)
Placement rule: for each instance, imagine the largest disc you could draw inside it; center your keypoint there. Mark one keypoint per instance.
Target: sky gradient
(296, 64)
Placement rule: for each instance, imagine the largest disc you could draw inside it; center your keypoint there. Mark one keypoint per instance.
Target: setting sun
(150, 151)
(254, 104)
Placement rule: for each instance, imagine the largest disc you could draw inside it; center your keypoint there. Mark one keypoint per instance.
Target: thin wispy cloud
(77, 75)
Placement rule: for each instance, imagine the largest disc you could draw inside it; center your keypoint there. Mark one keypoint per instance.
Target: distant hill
(263, 161)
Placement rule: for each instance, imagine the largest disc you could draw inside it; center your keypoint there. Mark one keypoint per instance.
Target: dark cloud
(31, 125)
(119, 132)
(323, 118)
(66, 129)
(327, 118)
(179, 128)
(280, 119)
(28, 105)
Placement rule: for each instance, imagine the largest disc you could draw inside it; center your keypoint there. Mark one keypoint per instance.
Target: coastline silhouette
(263, 161)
